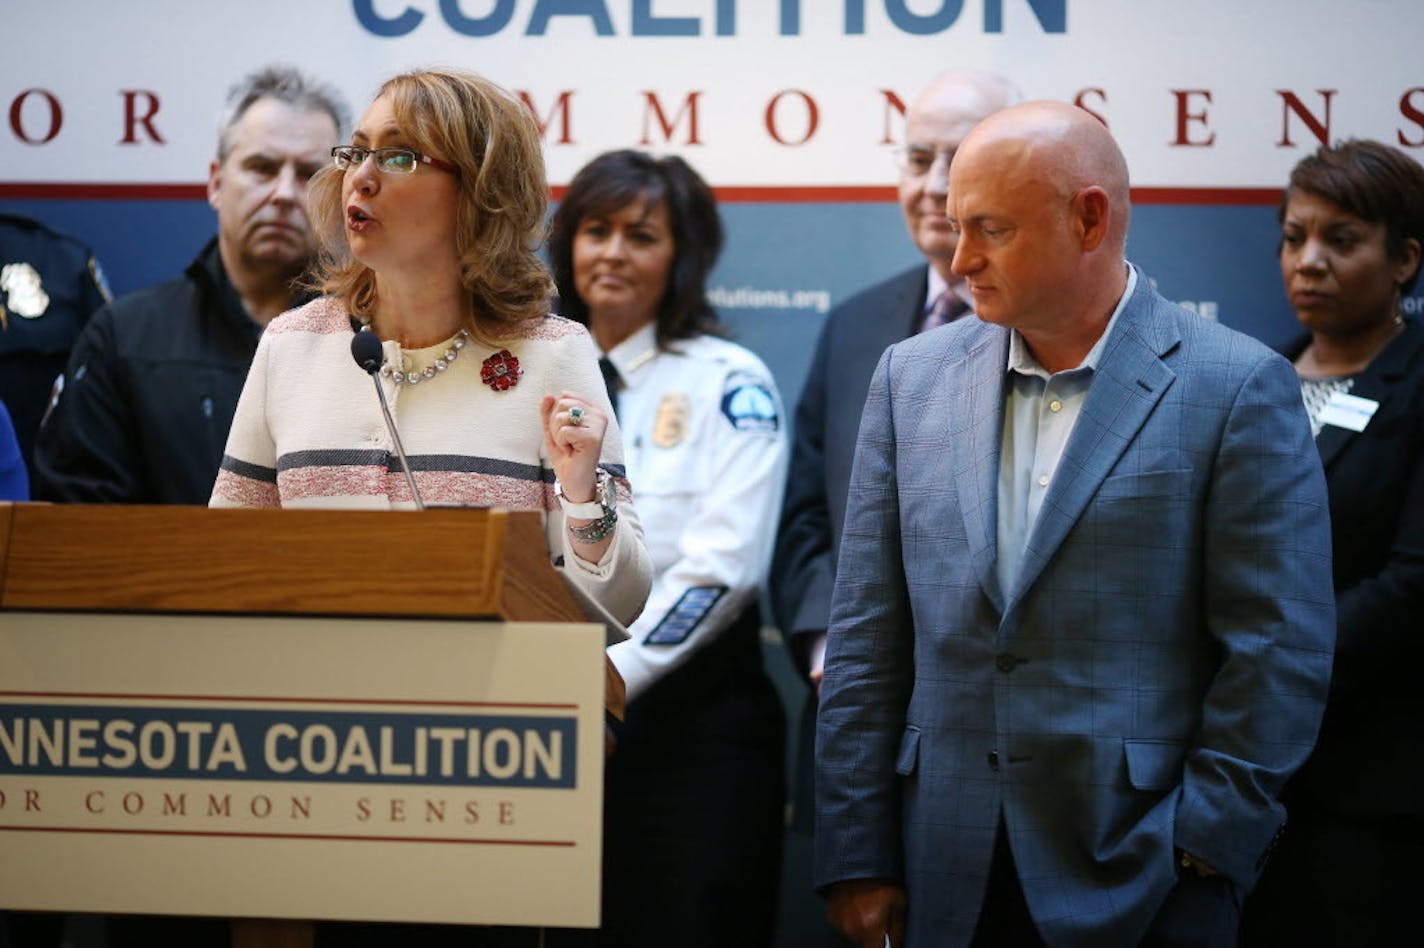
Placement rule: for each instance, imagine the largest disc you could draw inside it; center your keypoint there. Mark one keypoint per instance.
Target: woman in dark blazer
(1350, 864)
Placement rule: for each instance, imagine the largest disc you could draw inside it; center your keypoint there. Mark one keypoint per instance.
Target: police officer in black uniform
(50, 284)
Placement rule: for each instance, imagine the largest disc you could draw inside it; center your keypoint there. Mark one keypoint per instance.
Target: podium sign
(393, 769)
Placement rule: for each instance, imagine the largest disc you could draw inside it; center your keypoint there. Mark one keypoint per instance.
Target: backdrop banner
(790, 108)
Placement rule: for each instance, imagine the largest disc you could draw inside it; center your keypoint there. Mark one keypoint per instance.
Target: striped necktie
(946, 309)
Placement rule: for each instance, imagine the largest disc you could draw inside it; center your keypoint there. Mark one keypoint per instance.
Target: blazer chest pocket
(1153, 765)
(907, 761)
(1145, 513)
(1148, 485)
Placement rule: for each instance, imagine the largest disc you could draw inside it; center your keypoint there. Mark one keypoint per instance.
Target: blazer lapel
(978, 382)
(1375, 383)
(891, 315)
(1127, 385)
(910, 304)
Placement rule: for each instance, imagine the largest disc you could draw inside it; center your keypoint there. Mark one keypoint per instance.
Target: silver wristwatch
(605, 500)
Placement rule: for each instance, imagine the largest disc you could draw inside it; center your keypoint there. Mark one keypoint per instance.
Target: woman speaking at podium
(428, 224)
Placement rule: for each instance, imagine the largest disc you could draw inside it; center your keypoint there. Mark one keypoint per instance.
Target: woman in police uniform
(695, 789)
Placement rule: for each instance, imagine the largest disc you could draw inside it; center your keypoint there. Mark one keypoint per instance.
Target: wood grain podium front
(458, 564)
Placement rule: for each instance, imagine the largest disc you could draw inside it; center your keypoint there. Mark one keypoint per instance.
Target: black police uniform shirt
(50, 284)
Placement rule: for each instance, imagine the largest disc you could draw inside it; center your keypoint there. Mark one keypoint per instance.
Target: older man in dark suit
(855, 334)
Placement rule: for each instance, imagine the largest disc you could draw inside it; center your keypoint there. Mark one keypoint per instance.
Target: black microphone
(366, 350)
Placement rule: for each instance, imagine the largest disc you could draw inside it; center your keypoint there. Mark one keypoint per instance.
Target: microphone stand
(366, 350)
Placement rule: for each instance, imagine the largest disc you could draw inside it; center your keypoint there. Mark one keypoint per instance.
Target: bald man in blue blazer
(1082, 626)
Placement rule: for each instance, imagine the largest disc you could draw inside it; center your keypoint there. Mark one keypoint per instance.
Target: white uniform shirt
(705, 444)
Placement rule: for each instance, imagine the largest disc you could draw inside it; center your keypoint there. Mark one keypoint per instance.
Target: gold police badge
(24, 291)
(670, 428)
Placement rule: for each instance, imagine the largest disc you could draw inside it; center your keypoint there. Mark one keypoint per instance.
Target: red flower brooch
(501, 371)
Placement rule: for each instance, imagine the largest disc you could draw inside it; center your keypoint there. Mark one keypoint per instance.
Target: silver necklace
(441, 363)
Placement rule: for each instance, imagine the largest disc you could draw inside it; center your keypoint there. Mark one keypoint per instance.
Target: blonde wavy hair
(503, 197)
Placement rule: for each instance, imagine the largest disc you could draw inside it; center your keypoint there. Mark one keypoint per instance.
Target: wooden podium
(439, 563)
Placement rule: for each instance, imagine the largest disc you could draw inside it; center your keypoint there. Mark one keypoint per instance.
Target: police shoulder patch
(684, 617)
(748, 404)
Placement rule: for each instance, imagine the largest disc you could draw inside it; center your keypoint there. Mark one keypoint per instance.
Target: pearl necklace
(443, 362)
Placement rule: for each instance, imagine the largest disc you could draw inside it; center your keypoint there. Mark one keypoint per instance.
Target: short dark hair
(1374, 182)
(612, 181)
(286, 84)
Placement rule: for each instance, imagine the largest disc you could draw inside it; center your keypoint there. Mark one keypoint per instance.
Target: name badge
(1348, 411)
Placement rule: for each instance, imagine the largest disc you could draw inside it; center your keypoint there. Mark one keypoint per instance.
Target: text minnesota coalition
(252, 744)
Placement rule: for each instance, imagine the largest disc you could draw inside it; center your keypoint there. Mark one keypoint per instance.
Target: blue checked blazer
(1158, 672)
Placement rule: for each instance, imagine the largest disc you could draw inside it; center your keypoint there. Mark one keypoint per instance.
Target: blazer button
(993, 760)
(1005, 662)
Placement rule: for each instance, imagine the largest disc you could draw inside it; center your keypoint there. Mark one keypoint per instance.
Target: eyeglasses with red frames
(388, 160)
